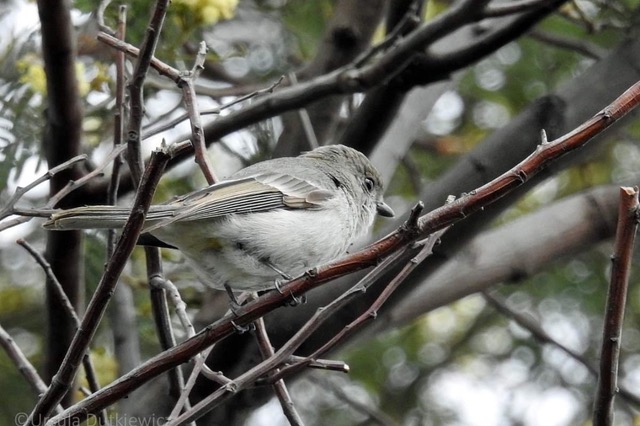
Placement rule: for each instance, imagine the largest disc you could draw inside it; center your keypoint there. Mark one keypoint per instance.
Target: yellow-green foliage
(32, 74)
(207, 12)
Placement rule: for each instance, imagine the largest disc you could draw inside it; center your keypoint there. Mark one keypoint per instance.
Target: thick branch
(352, 78)
(61, 141)
(431, 222)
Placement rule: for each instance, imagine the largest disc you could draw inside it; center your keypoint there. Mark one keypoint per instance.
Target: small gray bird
(274, 219)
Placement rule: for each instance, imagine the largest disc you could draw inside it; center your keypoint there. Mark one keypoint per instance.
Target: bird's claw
(293, 301)
(243, 329)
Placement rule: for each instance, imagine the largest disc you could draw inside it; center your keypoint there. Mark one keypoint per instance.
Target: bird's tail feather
(102, 217)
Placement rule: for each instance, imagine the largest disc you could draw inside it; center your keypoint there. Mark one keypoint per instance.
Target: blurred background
(503, 328)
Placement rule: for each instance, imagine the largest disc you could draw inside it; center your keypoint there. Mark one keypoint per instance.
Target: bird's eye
(368, 184)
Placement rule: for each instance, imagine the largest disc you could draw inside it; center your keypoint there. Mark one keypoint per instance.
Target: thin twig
(374, 415)
(66, 304)
(160, 311)
(513, 7)
(182, 402)
(164, 329)
(171, 124)
(161, 67)
(134, 129)
(191, 104)
(410, 21)
(56, 287)
(48, 209)
(179, 305)
(322, 364)
(63, 379)
(580, 46)
(181, 310)
(305, 120)
(119, 115)
(198, 368)
(280, 388)
(160, 287)
(532, 325)
(100, 16)
(616, 303)
(75, 184)
(122, 311)
(23, 365)
(8, 209)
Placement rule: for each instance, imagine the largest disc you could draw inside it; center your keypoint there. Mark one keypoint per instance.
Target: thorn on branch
(321, 364)
(543, 137)
(411, 224)
(311, 273)
(242, 329)
(231, 387)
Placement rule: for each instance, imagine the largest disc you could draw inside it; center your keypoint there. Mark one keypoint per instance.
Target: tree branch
(136, 104)
(430, 222)
(61, 141)
(616, 303)
(23, 365)
(65, 375)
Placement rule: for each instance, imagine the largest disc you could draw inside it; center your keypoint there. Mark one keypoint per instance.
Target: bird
(274, 219)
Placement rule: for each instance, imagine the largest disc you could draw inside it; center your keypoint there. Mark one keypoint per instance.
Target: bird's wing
(259, 193)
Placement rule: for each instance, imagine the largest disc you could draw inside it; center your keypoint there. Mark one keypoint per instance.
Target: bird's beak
(383, 209)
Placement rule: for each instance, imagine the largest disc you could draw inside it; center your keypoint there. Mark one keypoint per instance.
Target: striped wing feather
(248, 195)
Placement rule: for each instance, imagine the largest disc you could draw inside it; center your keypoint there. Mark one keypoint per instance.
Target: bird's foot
(293, 301)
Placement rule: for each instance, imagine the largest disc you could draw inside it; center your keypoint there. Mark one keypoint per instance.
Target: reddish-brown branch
(270, 364)
(534, 163)
(369, 256)
(371, 313)
(616, 302)
(95, 310)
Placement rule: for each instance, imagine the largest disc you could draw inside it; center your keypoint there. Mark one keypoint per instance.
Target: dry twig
(59, 293)
(23, 365)
(280, 388)
(532, 325)
(616, 303)
(67, 371)
(191, 103)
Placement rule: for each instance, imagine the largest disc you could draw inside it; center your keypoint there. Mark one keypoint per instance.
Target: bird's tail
(102, 217)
